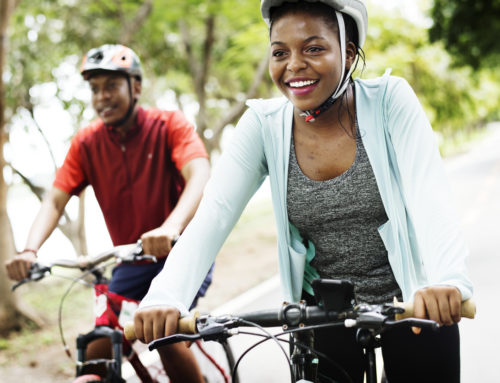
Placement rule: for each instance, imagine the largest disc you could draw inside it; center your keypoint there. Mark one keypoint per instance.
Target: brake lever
(36, 273)
(19, 283)
(414, 322)
(176, 338)
(214, 331)
(137, 254)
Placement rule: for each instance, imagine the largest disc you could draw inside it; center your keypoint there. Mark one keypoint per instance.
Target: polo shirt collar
(134, 129)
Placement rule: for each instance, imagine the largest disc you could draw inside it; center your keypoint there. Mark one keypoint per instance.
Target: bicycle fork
(114, 366)
(369, 342)
(304, 361)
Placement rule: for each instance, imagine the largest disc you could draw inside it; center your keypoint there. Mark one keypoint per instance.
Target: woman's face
(305, 59)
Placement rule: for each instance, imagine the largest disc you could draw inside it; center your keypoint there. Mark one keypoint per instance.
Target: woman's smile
(301, 87)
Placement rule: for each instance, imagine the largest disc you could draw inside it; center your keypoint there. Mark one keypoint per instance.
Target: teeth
(299, 84)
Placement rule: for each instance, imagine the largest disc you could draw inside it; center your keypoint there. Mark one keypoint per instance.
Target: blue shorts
(133, 281)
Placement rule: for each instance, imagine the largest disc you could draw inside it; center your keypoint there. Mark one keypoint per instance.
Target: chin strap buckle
(308, 116)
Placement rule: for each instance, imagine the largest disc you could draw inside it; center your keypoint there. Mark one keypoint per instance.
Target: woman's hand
(155, 322)
(441, 304)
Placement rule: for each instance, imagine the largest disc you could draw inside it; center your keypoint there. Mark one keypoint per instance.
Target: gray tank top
(341, 216)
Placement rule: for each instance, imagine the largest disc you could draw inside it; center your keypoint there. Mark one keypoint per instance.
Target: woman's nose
(296, 63)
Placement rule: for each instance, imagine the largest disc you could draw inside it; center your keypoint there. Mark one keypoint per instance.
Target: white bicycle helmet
(111, 58)
(354, 8)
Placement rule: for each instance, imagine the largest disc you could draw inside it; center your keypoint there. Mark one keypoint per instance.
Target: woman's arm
(238, 173)
(441, 247)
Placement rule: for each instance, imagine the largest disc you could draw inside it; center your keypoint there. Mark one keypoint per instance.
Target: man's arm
(44, 224)
(158, 241)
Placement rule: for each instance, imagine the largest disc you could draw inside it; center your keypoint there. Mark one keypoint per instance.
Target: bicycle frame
(114, 365)
(107, 329)
(92, 265)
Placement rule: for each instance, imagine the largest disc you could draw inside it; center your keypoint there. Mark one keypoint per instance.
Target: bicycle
(95, 267)
(336, 307)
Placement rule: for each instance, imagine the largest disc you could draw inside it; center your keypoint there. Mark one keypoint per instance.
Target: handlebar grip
(468, 309)
(129, 331)
(185, 325)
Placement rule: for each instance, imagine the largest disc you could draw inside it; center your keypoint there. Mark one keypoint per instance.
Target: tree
(469, 30)
(195, 58)
(212, 60)
(12, 314)
(456, 99)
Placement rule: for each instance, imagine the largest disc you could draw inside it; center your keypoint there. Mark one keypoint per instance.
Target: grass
(45, 297)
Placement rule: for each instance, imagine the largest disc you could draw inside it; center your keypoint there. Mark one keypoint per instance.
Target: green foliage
(38, 46)
(4, 344)
(454, 98)
(46, 33)
(469, 30)
(152, 28)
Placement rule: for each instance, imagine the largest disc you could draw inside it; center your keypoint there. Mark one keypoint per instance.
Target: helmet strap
(311, 114)
(131, 107)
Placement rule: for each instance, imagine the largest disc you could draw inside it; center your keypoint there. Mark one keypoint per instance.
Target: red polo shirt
(136, 180)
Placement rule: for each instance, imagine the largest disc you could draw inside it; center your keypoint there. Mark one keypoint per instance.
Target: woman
(358, 193)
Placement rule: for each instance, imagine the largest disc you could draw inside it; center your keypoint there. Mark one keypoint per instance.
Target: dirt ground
(247, 258)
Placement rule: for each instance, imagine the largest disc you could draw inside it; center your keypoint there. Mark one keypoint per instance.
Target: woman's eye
(278, 53)
(315, 49)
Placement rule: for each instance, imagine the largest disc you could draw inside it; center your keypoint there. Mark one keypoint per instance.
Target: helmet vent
(111, 58)
(96, 57)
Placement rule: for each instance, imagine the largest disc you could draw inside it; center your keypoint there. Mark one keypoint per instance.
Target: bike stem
(305, 361)
(369, 342)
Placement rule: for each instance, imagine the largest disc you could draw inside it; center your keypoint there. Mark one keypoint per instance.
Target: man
(148, 169)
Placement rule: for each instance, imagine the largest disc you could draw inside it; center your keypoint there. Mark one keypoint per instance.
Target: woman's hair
(318, 9)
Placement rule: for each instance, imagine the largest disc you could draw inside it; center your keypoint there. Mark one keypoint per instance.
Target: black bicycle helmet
(111, 58)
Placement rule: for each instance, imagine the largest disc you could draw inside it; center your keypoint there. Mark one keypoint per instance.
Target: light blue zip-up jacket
(421, 236)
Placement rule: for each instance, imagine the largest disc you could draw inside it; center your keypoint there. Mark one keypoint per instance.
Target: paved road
(475, 178)
(475, 181)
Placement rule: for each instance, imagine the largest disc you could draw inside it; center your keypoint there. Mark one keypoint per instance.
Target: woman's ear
(350, 56)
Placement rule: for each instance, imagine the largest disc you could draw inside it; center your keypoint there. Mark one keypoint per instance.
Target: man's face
(111, 96)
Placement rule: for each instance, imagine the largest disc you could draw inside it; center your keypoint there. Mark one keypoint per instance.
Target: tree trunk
(12, 316)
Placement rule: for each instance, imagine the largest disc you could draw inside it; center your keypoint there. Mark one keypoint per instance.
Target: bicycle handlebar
(468, 309)
(124, 253)
(185, 325)
(296, 315)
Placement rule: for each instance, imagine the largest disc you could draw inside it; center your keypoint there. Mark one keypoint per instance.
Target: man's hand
(158, 242)
(18, 267)
(441, 304)
(155, 322)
